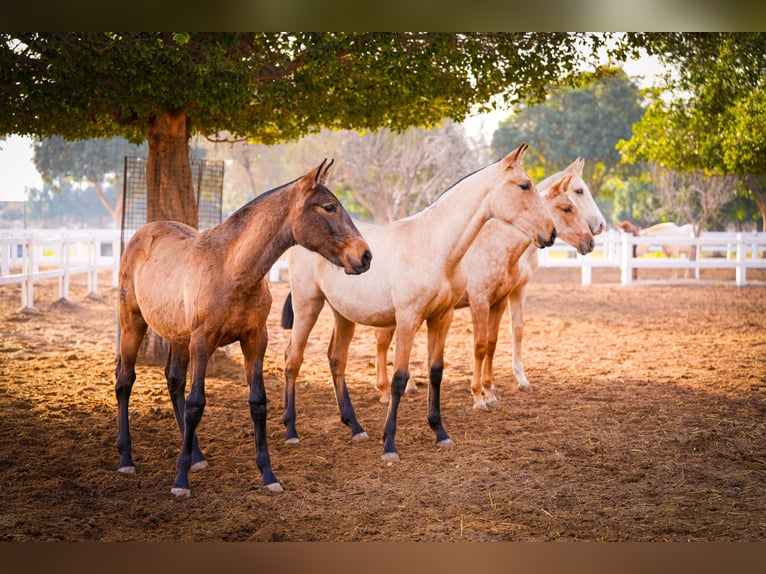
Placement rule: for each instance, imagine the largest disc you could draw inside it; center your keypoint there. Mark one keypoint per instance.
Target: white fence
(738, 251)
(28, 256)
(31, 255)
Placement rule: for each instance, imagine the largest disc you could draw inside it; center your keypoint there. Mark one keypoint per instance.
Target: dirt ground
(646, 424)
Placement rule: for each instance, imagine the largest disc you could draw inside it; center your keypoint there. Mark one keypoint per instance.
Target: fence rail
(31, 255)
(714, 250)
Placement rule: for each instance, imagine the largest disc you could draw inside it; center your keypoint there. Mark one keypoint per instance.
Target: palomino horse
(415, 277)
(206, 290)
(498, 265)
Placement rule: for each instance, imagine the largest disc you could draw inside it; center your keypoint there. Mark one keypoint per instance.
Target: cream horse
(414, 277)
(498, 265)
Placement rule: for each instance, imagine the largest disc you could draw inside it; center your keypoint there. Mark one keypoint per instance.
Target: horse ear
(514, 158)
(560, 186)
(575, 168)
(309, 181)
(322, 175)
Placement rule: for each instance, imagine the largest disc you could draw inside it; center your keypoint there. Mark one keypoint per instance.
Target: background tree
(97, 163)
(584, 122)
(395, 175)
(710, 114)
(166, 87)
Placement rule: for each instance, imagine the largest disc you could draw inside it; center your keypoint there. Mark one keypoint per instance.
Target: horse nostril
(553, 237)
(366, 258)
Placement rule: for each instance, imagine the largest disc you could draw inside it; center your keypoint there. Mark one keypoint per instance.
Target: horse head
(515, 200)
(323, 225)
(571, 225)
(579, 192)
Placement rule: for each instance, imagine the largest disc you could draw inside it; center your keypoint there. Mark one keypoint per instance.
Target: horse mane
(435, 199)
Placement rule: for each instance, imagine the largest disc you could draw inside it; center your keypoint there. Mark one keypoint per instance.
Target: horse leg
(383, 338)
(479, 317)
(493, 328)
(438, 327)
(310, 307)
(133, 328)
(254, 349)
(175, 375)
(516, 308)
(337, 354)
(199, 352)
(405, 335)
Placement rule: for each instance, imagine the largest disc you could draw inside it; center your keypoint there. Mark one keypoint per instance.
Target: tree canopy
(267, 87)
(710, 115)
(584, 122)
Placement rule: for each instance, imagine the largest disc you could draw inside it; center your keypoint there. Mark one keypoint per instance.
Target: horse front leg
(516, 309)
(254, 349)
(307, 312)
(132, 331)
(493, 328)
(175, 375)
(337, 354)
(194, 408)
(383, 338)
(480, 319)
(405, 335)
(438, 328)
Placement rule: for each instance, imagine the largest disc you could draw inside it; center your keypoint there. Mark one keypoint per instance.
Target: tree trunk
(169, 190)
(169, 187)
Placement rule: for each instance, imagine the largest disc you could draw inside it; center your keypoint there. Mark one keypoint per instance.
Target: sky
(20, 174)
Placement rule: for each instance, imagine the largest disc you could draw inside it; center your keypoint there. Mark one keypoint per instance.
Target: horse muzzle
(543, 242)
(586, 246)
(354, 267)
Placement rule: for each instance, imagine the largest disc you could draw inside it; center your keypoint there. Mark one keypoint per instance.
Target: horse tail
(288, 316)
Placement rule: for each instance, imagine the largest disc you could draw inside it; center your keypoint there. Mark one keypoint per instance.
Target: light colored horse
(668, 229)
(415, 277)
(498, 265)
(206, 290)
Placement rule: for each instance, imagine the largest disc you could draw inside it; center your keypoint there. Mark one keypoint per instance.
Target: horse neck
(257, 234)
(455, 219)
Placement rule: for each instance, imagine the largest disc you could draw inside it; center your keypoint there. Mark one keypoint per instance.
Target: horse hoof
(127, 469)
(493, 404)
(294, 440)
(199, 465)
(446, 443)
(482, 406)
(360, 436)
(180, 493)
(390, 457)
(525, 388)
(274, 487)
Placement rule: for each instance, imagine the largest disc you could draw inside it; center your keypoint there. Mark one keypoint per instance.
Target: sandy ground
(646, 423)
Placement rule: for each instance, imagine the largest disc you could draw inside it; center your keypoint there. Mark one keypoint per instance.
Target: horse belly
(364, 299)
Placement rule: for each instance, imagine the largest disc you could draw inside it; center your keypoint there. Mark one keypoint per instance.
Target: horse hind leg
(175, 375)
(383, 338)
(437, 336)
(132, 332)
(488, 381)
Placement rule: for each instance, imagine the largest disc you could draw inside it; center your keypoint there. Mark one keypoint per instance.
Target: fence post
(626, 260)
(586, 276)
(741, 273)
(27, 269)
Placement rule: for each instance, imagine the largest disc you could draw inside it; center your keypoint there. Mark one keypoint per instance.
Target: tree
(585, 122)
(87, 162)
(710, 115)
(166, 87)
(395, 175)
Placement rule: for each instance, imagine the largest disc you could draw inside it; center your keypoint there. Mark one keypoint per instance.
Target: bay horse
(415, 277)
(498, 266)
(206, 290)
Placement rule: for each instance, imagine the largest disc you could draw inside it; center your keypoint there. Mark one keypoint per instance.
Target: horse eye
(524, 186)
(566, 209)
(329, 207)
(579, 191)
